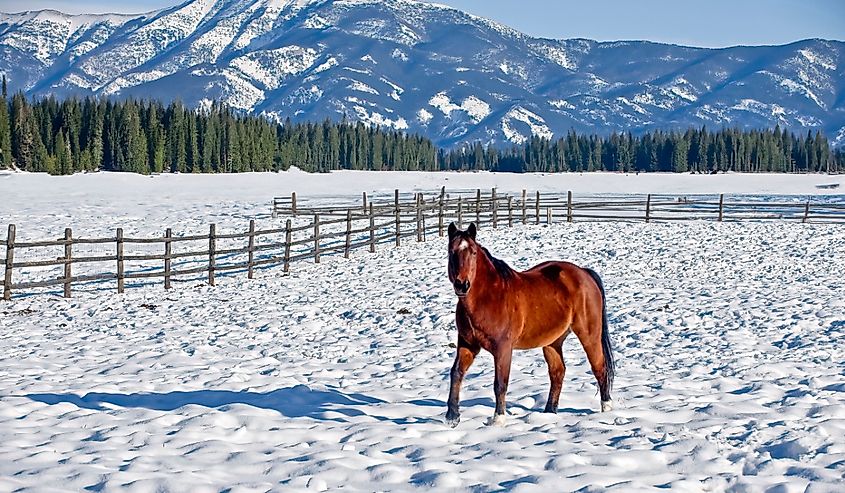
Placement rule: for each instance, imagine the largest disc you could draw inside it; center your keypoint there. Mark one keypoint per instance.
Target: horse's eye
(473, 252)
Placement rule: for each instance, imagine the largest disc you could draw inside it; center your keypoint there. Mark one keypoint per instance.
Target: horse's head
(463, 255)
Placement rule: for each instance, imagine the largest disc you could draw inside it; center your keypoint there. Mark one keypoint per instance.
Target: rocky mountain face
(419, 67)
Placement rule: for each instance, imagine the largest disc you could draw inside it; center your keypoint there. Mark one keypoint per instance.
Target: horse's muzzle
(461, 288)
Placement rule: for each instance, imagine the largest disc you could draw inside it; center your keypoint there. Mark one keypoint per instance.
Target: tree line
(64, 137)
(146, 136)
(694, 150)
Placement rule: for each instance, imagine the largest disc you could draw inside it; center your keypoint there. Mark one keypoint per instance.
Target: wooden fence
(312, 231)
(311, 234)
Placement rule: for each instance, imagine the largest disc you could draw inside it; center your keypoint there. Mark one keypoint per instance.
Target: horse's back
(568, 274)
(556, 295)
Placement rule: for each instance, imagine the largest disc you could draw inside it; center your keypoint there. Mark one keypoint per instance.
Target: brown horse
(500, 310)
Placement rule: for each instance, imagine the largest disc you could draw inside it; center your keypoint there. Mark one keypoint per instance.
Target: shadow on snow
(294, 402)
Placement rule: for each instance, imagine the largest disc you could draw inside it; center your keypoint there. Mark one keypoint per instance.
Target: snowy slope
(729, 339)
(421, 67)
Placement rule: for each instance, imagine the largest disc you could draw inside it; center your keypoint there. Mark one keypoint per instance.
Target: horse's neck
(487, 282)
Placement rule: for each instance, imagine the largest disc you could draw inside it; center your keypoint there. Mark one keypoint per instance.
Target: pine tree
(5, 134)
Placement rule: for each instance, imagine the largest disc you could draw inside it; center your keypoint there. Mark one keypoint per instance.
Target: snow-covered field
(98, 203)
(729, 339)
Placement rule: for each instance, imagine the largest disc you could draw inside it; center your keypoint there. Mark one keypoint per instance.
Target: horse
(501, 310)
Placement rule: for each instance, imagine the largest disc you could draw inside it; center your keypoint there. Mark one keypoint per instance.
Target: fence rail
(313, 231)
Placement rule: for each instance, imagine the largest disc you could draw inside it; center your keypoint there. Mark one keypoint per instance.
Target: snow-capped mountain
(419, 67)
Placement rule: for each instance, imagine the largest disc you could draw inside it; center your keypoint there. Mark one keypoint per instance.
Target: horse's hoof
(453, 421)
(496, 420)
(606, 406)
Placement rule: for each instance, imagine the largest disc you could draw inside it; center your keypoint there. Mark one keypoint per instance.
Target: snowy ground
(729, 339)
(42, 206)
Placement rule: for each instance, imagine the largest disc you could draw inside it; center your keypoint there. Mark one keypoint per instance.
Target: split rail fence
(313, 231)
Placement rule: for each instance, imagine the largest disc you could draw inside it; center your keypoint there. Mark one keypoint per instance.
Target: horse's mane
(502, 268)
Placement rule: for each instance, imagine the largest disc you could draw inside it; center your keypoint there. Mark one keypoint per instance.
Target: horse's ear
(471, 231)
(453, 230)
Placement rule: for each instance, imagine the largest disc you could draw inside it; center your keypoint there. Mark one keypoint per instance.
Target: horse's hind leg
(557, 369)
(598, 363)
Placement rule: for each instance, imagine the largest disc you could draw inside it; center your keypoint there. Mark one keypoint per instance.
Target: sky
(706, 23)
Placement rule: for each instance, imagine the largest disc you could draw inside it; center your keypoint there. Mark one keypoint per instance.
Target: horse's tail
(609, 364)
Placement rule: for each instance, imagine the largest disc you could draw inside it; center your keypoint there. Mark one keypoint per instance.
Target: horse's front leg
(502, 357)
(466, 355)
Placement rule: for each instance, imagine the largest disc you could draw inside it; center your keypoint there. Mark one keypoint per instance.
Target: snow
(795, 87)
(556, 54)
(236, 91)
(840, 137)
(272, 67)
(818, 59)
(329, 63)
(683, 89)
(633, 105)
(535, 123)
(316, 22)
(424, 116)
(474, 107)
(397, 92)
(375, 118)
(359, 86)
(562, 104)
(729, 339)
(442, 102)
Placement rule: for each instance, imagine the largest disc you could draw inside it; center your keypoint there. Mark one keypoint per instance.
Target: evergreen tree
(5, 133)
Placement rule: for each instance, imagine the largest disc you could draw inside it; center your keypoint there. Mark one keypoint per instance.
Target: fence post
(365, 203)
(806, 212)
(549, 215)
(460, 213)
(119, 240)
(440, 213)
(537, 209)
(68, 260)
(569, 206)
(168, 235)
(510, 211)
(419, 218)
(422, 216)
(287, 246)
(316, 238)
(212, 248)
(398, 218)
(524, 205)
(372, 230)
(348, 233)
(495, 209)
(478, 208)
(251, 249)
(648, 209)
(293, 203)
(10, 258)
(721, 207)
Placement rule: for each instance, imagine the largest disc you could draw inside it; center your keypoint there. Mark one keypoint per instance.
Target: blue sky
(710, 23)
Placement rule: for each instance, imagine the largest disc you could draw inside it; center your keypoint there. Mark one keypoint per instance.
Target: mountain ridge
(420, 67)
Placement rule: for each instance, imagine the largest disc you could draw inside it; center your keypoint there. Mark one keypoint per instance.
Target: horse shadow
(293, 402)
(299, 401)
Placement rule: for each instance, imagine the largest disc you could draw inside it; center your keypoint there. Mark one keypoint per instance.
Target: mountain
(420, 67)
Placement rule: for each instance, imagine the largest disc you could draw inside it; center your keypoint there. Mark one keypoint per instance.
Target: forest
(147, 136)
